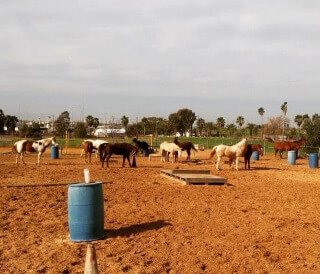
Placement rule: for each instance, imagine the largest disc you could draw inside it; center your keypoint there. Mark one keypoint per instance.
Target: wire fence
(206, 142)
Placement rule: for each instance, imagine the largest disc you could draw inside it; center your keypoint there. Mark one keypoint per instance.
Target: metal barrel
(54, 152)
(291, 157)
(85, 212)
(313, 160)
(255, 155)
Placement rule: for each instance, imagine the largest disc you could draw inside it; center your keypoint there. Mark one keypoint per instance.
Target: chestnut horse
(286, 146)
(124, 149)
(248, 152)
(40, 146)
(185, 146)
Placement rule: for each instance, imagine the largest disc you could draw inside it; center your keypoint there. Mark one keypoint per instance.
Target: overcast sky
(150, 58)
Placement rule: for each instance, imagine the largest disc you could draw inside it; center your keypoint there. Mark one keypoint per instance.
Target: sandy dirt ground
(267, 220)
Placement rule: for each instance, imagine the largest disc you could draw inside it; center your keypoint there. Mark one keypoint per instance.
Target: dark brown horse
(185, 146)
(124, 149)
(248, 152)
(286, 146)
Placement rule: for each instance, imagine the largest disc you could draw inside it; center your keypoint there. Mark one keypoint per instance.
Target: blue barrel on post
(54, 152)
(255, 155)
(291, 157)
(313, 160)
(85, 212)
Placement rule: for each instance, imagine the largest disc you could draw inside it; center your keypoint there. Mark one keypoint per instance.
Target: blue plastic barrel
(313, 160)
(291, 157)
(255, 155)
(85, 212)
(54, 152)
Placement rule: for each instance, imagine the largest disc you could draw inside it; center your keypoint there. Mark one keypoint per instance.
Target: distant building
(103, 131)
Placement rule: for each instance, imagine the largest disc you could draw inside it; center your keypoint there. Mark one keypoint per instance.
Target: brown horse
(88, 148)
(286, 146)
(124, 149)
(185, 146)
(248, 152)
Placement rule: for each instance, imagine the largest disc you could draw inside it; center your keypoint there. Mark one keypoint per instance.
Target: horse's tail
(192, 146)
(102, 147)
(213, 152)
(14, 149)
(270, 140)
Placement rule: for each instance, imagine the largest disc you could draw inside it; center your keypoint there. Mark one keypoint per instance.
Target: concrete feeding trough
(193, 177)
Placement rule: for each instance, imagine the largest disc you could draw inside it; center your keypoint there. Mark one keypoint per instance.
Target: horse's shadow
(135, 229)
(264, 168)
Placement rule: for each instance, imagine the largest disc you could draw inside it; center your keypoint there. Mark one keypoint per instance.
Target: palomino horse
(167, 148)
(233, 152)
(185, 146)
(248, 152)
(124, 149)
(286, 146)
(95, 146)
(40, 146)
(141, 145)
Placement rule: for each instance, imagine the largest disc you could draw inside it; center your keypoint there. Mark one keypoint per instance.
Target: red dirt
(267, 221)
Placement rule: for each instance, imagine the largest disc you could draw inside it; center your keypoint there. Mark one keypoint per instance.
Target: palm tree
(261, 112)
(220, 123)
(240, 121)
(125, 121)
(200, 125)
(315, 116)
(284, 109)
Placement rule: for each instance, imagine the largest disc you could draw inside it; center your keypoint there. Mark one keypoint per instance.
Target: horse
(95, 143)
(248, 152)
(40, 146)
(286, 146)
(233, 152)
(167, 148)
(88, 148)
(142, 145)
(124, 149)
(185, 146)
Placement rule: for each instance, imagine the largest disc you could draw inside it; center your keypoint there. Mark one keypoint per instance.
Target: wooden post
(151, 141)
(91, 266)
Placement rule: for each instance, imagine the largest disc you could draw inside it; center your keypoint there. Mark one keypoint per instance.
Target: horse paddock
(265, 221)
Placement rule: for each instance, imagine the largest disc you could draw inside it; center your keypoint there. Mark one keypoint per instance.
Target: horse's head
(260, 150)
(54, 141)
(135, 140)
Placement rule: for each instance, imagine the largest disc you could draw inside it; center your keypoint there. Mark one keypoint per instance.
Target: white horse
(233, 152)
(95, 143)
(167, 148)
(40, 146)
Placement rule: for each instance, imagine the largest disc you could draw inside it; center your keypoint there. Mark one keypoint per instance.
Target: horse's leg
(81, 153)
(39, 156)
(90, 154)
(109, 156)
(128, 158)
(280, 152)
(218, 162)
(17, 157)
(188, 152)
(103, 159)
(22, 159)
(237, 162)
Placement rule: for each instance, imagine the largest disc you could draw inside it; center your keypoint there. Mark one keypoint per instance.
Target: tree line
(183, 121)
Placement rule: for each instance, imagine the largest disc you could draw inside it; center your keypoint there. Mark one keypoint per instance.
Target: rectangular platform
(193, 177)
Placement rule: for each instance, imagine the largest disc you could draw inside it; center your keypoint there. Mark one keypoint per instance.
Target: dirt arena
(266, 220)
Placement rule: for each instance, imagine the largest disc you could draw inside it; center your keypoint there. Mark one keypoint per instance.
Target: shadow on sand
(135, 229)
